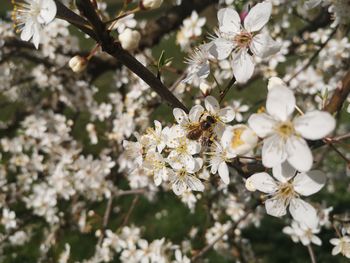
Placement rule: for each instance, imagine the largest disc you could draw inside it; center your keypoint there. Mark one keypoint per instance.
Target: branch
(341, 93)
(231, 228)
(66, 14)
(109, 45)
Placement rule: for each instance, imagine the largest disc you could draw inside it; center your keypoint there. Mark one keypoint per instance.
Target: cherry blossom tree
(174, 131)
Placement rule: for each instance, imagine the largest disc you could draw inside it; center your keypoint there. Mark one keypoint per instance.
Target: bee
(197, 130)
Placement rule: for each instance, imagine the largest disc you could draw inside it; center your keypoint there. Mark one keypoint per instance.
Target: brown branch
(66, 14)
(114, 49)
(341, 93)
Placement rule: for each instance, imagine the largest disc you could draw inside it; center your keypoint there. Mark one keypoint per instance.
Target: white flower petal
(262, 182)
(273, 151)
(179, 187)
(280, 103)
(229, 21)
(193, 147)
(316, 240)
(262, 124)
(28, 31)
(303, 212)
(309, 183)
(224, 173)
(195, 113)
(275, 82)
(258, 16)
(221, 48)
(48, 10)
(180, 116)
(299, 154)
(263, 45)
(36, 35)
(226, 114)
(157, 179)
(315, 125)
(211, 104)
(275, 207)
(243, 66)
(283, 172)
(194, 183)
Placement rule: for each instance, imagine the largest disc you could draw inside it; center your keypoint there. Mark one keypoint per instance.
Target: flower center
(286, 129)
(243, 39)
(236, 140)
(286, 192)
(182, 148)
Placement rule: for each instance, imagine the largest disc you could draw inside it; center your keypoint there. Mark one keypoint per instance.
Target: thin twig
(106, 217)
(128, 214)
(209, 246)
(227, 88)
(315, 55)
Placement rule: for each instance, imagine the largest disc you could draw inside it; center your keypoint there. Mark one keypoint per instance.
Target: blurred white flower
(341, 245)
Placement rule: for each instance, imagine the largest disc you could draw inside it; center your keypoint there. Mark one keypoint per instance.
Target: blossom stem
(227, 88)
(311, 253)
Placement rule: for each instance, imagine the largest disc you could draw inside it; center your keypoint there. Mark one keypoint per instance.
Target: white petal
(303, 212)
(193, 147)
(273, 151)
(157, 126)
(299, 154)
(243, 66)
(180, 116)
(262, 124)
(28, 31)
(258, 16)
(275, 82)
(195, 113)
(316, 240)
(179, 187)
(309, 183)
(229, 21)
(315, 125)
(280, 103)
(262, 182)
(283, 172)
(48, 10)
(157, 179)
(336, 250)
(263, 45)
(194, 183)
(226, 114)
(224, 173)
(221, 48)
(211, 104)
(275, 207)
(36, 35)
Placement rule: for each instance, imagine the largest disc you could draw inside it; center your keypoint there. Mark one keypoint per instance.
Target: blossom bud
(78, 63)
(129, 39)
(250, 186)
(150, 4)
